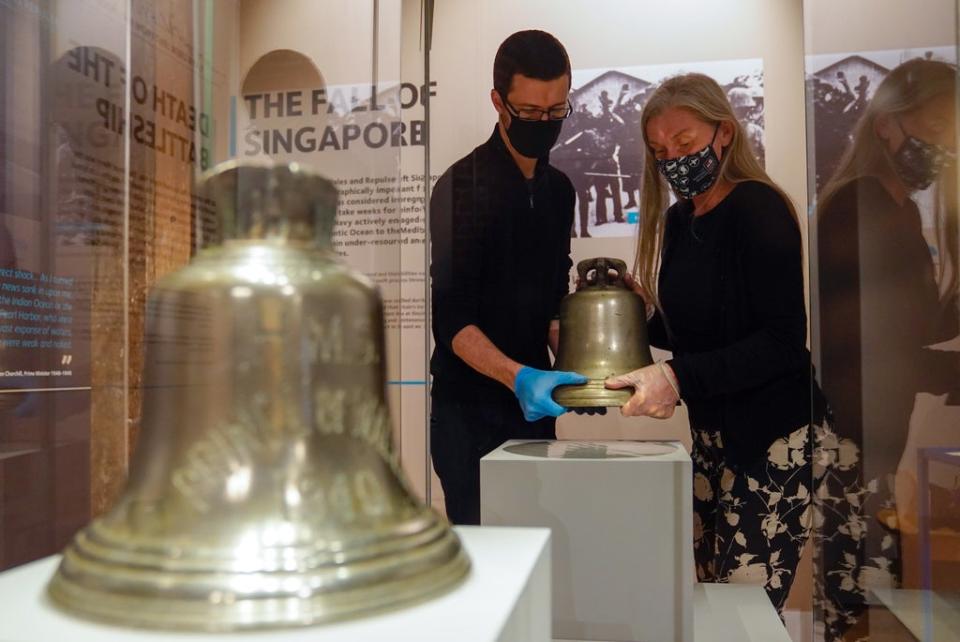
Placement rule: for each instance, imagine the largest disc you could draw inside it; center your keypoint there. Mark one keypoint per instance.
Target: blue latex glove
(534, 390)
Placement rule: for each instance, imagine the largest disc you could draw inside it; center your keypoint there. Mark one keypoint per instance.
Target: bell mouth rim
(154, 613)
(593, 394)
(107, 590)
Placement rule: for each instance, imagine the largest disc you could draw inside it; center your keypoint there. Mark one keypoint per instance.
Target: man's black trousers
(461, 433)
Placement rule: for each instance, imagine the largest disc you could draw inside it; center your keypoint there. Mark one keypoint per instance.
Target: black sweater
(500, 260)
(734, 296)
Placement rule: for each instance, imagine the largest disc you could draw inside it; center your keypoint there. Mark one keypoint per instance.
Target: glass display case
(111, 110)
(882, 181)
(110, 113)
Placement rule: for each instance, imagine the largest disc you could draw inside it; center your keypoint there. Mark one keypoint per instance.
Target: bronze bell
(265, 491)
(603, 333)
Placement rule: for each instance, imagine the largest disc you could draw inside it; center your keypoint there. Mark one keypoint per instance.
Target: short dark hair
(532, 53)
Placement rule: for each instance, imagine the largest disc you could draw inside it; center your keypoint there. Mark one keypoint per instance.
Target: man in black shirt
(500, 262)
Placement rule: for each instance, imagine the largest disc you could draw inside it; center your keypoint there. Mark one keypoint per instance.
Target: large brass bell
(603, 333)
(265, 491)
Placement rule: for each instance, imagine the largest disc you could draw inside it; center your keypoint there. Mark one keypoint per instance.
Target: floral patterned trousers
(750, 524)
(852, 550)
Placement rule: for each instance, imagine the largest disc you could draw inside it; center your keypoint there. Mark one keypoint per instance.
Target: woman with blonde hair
(882, 303)
(722, 272)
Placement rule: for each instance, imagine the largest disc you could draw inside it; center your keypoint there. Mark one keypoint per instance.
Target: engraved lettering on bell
(327, 346)
(212, 462)
(358, 414)
(370, 494)
(264, 491)
(372, 424)
(330, 411)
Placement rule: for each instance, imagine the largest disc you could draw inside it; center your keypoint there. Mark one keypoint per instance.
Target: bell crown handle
(596, 272)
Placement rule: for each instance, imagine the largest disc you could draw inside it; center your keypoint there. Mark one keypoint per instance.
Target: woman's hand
(634, 285)
(655, 391)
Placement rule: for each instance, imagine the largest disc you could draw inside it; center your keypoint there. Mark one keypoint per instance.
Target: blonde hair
(906, 88)
(701, 95)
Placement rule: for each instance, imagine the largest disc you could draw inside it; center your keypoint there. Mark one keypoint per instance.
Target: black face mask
(533, 138)
(692, 174)
(918, 163)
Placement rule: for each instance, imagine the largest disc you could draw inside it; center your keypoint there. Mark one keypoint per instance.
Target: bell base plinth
(107, 585)
(593, 394)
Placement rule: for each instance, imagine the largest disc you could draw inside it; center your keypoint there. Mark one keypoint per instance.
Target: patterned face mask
(918, 163)
(692, 174)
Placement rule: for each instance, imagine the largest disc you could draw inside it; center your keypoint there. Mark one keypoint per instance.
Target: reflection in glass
(563, 449)
(887, 295)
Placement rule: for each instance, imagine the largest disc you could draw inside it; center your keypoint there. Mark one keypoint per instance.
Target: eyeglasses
(535, 113)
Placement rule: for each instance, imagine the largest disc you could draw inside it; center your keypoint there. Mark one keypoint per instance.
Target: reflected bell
(603, 333)
(264, 491)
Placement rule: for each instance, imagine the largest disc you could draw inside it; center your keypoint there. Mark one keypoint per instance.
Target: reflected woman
(880, 307)
(722, 273)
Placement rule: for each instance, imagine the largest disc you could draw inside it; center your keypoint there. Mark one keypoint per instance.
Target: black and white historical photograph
(839, 86)
(601, 146)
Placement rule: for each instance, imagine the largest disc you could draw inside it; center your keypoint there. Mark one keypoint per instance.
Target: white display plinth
(505, 598)
(622, 518)
(732, 613)
(735, 613)
(926, 614)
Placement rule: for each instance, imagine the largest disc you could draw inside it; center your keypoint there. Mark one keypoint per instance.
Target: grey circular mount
(562, 449)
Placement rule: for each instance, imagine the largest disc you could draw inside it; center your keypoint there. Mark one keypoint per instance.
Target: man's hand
(534, 389)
